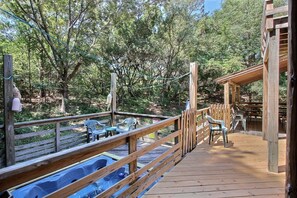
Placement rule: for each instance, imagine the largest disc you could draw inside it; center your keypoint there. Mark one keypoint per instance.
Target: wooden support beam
(232, 83)
(277, 10)
(193, 85)
(273, 102)
(291, 177)
(113, 88)
(57, 137)
(269, 18)
(132, 148)
(238, 94)
(265, 99)
(266, 51)
(226, 93)
(177, 126)
(233, 94)
(8, 114)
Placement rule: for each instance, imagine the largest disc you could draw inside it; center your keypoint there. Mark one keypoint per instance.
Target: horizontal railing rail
(42, 137)
(32, 169)
(202, 125)
(61, 119)
(189, 129)
(269, 15)
(55, 120)
(142, 115)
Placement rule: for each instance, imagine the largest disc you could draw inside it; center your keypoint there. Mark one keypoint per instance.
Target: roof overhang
(249, 75)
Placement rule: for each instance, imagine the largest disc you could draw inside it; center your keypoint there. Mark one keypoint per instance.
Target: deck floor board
(214, 171)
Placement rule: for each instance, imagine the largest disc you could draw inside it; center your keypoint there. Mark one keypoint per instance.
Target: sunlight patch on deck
(214, 171)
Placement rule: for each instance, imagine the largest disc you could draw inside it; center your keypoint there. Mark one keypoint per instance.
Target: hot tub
(47, 185)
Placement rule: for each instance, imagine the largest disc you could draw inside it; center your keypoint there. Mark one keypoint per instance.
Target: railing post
(132, 148)
(176, 128)
(273, 102)
(226, 93)
(233, 94)
(193, 85)
(269, 18)
(57, 137)
(8, 113)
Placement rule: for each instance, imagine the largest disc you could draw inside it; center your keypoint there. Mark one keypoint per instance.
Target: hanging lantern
(16, 105)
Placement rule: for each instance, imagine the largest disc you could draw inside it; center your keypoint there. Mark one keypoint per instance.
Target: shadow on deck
(214, 171)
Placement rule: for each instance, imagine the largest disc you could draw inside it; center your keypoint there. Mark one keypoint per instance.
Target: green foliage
(66, 50)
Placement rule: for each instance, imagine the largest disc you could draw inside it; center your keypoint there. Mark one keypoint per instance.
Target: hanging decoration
(16, 101)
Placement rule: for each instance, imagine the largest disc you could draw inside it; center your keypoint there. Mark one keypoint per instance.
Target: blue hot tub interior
(60, 179)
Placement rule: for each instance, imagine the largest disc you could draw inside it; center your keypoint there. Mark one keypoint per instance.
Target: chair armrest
(100, 124)
(218, 122)
(119, 124)
(221, 123)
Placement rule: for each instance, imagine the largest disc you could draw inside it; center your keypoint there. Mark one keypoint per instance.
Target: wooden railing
(202, 125)
(26, 171)
(62, 133)
(195, 128)
(189, 129)
(221, 112)
(269, 12)
(189, 137)
(138, 115)
(254, 109)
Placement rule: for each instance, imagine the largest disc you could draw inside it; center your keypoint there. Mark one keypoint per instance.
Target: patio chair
(94, 129)
(238, 116)
(217, 125)
(127, 125)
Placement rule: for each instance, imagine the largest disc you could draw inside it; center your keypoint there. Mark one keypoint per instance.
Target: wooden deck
(214, 171)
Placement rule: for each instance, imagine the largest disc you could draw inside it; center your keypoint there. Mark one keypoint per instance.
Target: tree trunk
(41, 76)
(65, 96)
(29, 65)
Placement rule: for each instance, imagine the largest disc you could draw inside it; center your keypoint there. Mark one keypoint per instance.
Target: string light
(8, 78)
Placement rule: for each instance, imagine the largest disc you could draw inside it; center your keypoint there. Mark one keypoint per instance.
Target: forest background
(65, 50)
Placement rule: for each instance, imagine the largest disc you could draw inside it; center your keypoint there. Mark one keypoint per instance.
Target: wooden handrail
(93, 115)
(278, 10)
(204, 109)
(71, 188)
(61, 119)
(26, 171)
(142, 115)
(184, 134)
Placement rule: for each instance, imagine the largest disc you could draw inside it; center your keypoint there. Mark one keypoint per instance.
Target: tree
(228, 40)
(60, 29)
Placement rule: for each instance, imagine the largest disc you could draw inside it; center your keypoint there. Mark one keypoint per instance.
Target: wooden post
(269, 19)
(233, 94)
(265, 99)
(57, 137)
(273, 102)
(226, 93)
(114, 97)
(193, 85)
(8, 114)
(238, 94)
(176, 128)
(132, 148)
(291, 177)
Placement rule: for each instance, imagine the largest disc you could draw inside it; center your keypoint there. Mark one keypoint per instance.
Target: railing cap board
(61, 119)
(142, 115)
(282, 9)
(204, 109)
